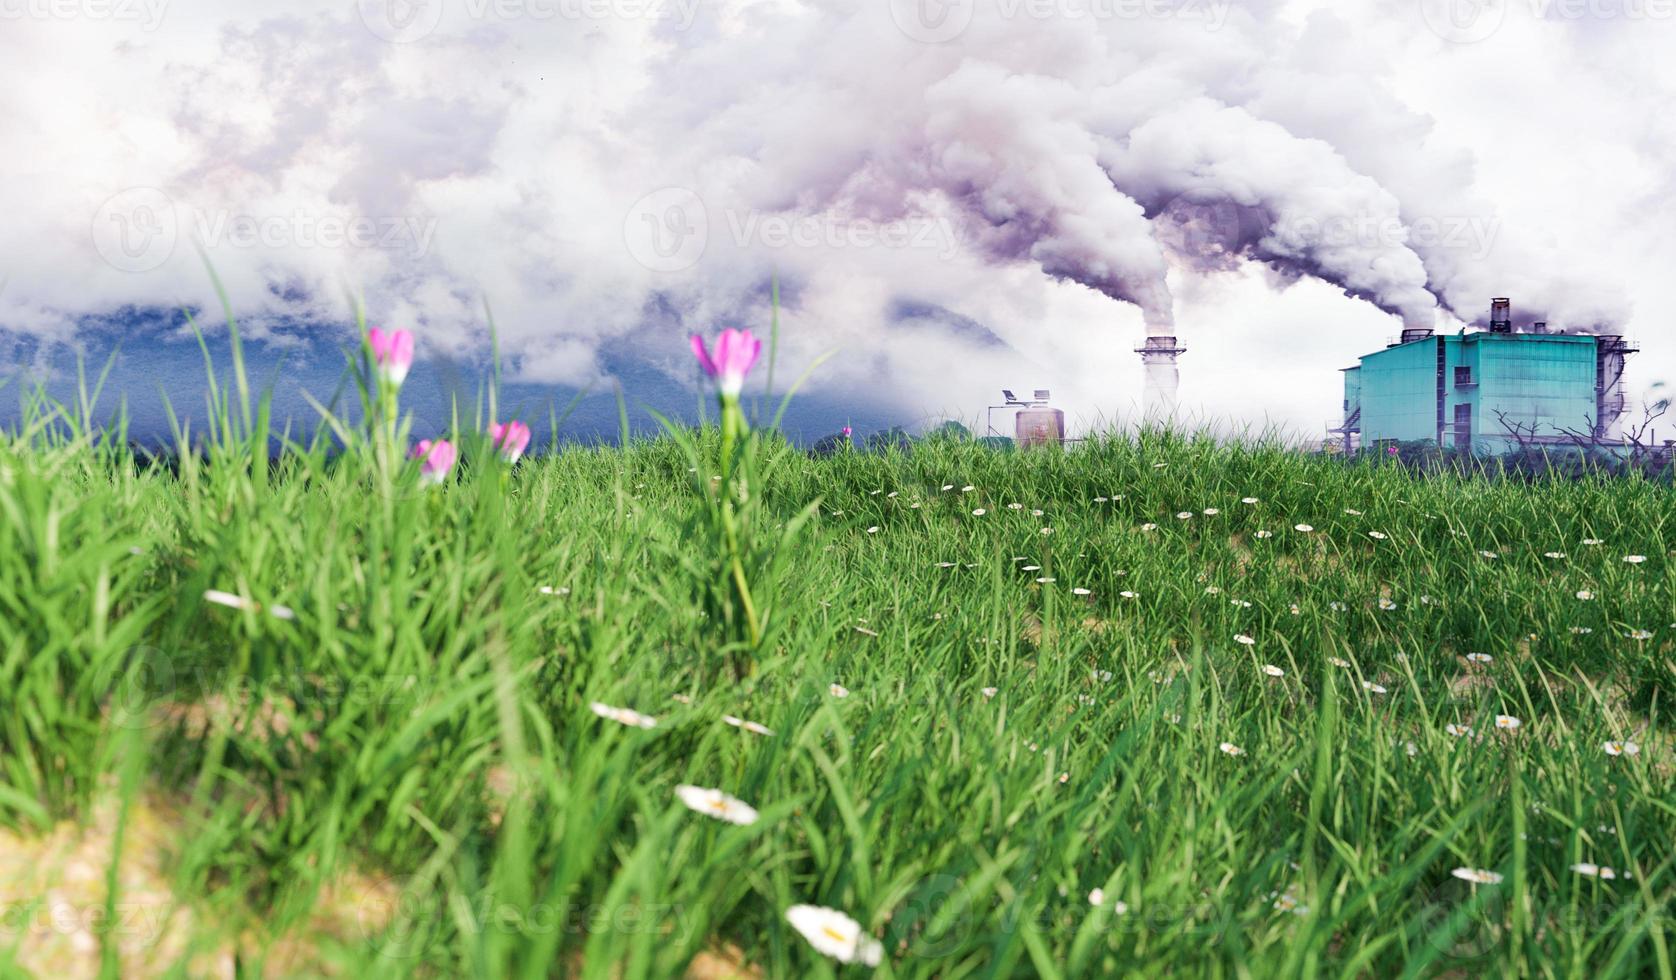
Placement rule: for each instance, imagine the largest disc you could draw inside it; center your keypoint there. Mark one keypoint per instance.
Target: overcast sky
(958, 195)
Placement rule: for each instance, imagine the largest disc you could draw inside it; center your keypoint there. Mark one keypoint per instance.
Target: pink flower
(1392, 450)
(436, 459)
(392, 353)
(511, 438)
(736, 352)
(846, 432)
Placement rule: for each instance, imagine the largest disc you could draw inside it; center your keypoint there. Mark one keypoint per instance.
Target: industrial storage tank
(1039, 425)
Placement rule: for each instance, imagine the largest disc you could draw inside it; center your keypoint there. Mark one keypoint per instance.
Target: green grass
(425, 714)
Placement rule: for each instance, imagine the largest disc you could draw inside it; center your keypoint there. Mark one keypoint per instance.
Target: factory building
(1487, 392)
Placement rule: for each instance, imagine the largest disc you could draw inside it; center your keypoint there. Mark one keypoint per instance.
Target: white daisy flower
(1296, 611)
(1427, 600)
(1585, 594)
(979, 512)
(1387, 604)
(990, 692)
(1480, 658)
(1129, 595)
(1635, 559)
(968, 488)
(947, 487)
(1265, 534)
(835, 934)
(1594, 871)
(1373, 688)
(1159, 466)
(1081, 591)
(1099, 500)
(1477, 876)
(873, 530)
(1031, 568)
(1303, 527)
(1212, 590)
(623, 716)
(1489, 554)
(550, 590)
(1640, 634)
(717, 804)
(1047, 530)
(1377, 535)
(681, 698)
(1015, 506)
(1273, 671)
(1243, 639)
(1336, 606)
(1103, 676)
(1507, 722)
(838, 690)
(1211, 512)
(1581, 630)
(1338, 661)
(1184, 515)
(1149, 527)
(1352, 513)
(1036, 513)
(1248, 500)
(1459, 731)
(1230, 748)
(749, 726)
(1553, 554)
(1621, 748)
(1593, 541)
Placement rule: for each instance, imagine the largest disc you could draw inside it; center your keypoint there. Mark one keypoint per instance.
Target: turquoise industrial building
(1488, 392)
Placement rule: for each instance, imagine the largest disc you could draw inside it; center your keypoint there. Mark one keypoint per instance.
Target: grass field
(1153, 705)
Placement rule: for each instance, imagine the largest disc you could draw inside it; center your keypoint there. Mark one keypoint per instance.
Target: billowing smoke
(606, 176)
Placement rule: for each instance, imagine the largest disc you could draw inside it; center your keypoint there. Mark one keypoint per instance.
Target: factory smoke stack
(1158, 354)
(1501, 315)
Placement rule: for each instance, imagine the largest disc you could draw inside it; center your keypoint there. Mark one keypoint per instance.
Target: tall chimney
(1158, 354)
(1501, 315)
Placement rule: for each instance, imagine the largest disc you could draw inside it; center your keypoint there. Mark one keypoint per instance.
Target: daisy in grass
(1459, 731)
(1248, 500)
(1099, 500)
(1241, 603)
(873, 530)
(1243, 639)
(681, 698)
(1159, 466)
(623, 716)
(1296, 611)
(232, 601)
(1081, 592)
(1489, 554)
(990, 692)
(1594, 871)
(717, 804)
(1585, 594)
(1373, 688)
(1480, 658)
(1184, 515)
(1037, 513)
(1149, 527)
(947, 487)
(1387, 605)
(1229, 748)
(749, 726)
(835, 934)
(1212, 590)
(1031, 568)
(967, 488)
(1265, 534)
(1015, 506)
(1046, 580)
(1553, 554)
(1129, 595)
(1508, 723)
(1635, 559)
(1336, 606)
(1338, 662)
(1305, 528)
(1211, 512)
(838, 690)
(1640, 634)
(1593, 541)
(1273, 671)
(1621, 748)
(1477, 876)
(1353, 513)
(1047, 530)
(1103, 676)
(979, 512)
(1581, 630)
(1427, 600)
(1377, 535)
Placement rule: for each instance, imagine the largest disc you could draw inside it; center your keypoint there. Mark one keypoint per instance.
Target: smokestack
(1159, 396)
(1501, 315)
(1540, 326)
